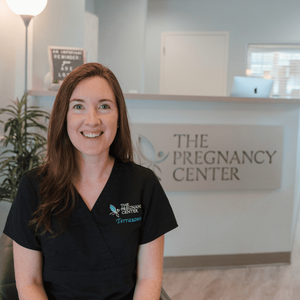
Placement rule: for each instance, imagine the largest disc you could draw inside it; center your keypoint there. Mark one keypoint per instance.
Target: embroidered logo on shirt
(114, 211)
(125, 210)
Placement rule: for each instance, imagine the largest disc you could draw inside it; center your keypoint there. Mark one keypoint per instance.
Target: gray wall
(121, 34)
(90, 6)
(261, 21)
(121, 40)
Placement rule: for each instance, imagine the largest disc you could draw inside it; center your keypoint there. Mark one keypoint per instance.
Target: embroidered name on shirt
(131, 220)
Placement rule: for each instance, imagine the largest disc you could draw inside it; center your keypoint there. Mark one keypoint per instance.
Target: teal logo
(114, 211)
(151, 157)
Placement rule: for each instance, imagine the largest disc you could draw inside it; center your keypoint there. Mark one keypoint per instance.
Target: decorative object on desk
(50, 84)
(24, 150)
(63, 60)
(253, 87)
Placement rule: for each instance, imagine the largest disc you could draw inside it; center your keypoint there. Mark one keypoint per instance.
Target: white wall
(60, 24)
(10, 24)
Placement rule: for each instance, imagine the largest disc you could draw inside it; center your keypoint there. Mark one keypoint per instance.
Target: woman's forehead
(93, 88)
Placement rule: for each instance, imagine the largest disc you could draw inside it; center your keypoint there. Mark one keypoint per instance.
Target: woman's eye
(78, 106)
(104, 106)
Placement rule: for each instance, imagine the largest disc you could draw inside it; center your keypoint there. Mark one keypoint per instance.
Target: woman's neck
(93, 169)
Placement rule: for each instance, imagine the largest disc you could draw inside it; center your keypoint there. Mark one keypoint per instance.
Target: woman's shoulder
(134, 169)
(33, 177)
(34, 173)
(135, 175)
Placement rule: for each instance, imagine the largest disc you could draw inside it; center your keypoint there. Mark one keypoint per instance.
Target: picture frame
(63, 60)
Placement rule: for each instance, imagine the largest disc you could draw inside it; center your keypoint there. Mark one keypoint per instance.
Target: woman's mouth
(91, 135)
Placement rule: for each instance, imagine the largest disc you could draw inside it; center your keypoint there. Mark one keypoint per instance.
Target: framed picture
(63, 60)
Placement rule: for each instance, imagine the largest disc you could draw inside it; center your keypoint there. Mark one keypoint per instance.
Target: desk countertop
(187, 98)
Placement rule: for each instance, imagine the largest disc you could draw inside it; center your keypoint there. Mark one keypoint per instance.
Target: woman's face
(92, 118)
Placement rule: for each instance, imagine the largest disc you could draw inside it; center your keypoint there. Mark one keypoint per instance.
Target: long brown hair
(57, 192)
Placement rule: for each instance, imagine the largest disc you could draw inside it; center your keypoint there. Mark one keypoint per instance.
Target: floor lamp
(26, 9)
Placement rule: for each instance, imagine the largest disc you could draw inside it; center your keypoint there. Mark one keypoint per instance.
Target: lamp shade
(27, 7)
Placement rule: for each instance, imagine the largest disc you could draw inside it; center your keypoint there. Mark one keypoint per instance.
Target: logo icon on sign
(149, 155)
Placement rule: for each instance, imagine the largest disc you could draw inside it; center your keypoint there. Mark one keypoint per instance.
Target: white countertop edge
(186, 98)
(211, 98)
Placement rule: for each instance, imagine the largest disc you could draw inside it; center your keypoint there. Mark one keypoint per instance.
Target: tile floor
(250, 283)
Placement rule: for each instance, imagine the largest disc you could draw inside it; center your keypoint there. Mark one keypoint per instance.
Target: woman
(89, 223)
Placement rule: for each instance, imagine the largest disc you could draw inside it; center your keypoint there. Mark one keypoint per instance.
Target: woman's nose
(92, 118)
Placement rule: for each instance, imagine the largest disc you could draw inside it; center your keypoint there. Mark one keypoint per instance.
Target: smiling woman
(96, 220)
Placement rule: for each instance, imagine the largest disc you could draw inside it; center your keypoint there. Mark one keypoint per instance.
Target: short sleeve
(158, 216)
(17, 223)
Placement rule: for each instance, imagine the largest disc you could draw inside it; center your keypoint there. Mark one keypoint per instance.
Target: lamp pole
(26, 19)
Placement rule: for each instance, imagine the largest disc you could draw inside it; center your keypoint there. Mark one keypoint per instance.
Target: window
(280, 62)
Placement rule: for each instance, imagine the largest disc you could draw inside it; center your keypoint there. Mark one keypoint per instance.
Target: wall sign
(63, 60)
(211, 157)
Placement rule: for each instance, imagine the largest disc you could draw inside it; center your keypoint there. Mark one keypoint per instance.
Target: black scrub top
(96, 257)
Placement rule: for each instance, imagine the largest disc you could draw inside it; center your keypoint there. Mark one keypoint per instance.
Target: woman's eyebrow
(83, 101)
(77, 100)
(104, 100)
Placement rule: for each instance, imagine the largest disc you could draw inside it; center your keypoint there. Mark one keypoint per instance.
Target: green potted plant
(24, 146)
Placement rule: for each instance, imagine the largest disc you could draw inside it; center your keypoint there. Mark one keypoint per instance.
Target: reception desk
(220, 228)
(233, 227)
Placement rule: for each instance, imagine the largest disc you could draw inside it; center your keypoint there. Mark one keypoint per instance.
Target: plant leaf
(24, 148)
